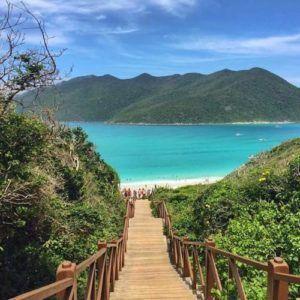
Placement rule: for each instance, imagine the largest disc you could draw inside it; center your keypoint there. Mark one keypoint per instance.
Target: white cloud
(68, 21)
(174, 7)
(54, 39)
(93, 6)
(285, 44)
(184, 60)
(119, 30)
(101, 17)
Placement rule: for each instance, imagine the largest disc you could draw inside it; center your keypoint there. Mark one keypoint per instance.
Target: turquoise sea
(157, 153)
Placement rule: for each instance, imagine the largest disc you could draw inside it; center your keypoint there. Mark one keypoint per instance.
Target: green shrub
(254, 212)
(57, 199)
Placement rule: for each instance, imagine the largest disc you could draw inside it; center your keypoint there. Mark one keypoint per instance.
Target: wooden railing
(197, 261)
(102, 270)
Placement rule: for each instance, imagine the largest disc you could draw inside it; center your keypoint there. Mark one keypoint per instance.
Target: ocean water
(158, 153)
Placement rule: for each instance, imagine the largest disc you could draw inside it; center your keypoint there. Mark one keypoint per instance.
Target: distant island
(226, 96)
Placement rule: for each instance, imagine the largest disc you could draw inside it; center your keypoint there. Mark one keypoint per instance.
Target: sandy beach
(199, 124)
(168, 183)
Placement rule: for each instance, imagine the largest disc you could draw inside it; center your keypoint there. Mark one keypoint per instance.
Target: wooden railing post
(131, 208)
(209, 282)
(117, 259)
(194, 277)
(163, 211)
(277, 290)
(113, 266)
(125, 234)
(171, 250)
(169, 225)
(159, 210)
(103, 279)
(122, 260)
(67, 270)
(174, 249)
(121, 252)
(90, 292)
(179, 252)
(186, 261)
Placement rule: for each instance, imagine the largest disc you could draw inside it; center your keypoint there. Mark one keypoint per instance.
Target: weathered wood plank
(148, 273)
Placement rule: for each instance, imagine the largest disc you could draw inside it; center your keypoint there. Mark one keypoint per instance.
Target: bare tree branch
(23, 69)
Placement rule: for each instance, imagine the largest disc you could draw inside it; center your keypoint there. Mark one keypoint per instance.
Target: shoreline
(185, 124)
(172, 183)
(196, 124)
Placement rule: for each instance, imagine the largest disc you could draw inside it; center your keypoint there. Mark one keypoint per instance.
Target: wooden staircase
(148, 273)
(145, 271)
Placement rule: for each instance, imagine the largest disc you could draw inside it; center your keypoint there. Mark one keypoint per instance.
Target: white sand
(168, 183)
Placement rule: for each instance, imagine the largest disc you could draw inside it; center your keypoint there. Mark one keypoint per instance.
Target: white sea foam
(172, 183)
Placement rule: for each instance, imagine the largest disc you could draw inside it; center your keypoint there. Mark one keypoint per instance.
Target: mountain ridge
(224, 96)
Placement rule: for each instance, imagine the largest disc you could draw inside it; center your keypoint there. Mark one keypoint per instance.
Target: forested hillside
(224, 96)
(57, 199)
(254, 212)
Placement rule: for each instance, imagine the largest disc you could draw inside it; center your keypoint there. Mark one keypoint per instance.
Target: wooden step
(148, 273)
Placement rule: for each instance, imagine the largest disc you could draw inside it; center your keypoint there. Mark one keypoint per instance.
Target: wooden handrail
(290, 278)
(47, 291)
(277, 270)
(86, 263)
(103, 270)
(254, 263)
(194, 243)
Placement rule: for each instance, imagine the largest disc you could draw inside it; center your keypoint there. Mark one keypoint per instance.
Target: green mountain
(224, 96)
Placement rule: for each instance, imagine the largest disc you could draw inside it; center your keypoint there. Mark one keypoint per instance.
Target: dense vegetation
(255, 212)
(57, 199)
(225, 96)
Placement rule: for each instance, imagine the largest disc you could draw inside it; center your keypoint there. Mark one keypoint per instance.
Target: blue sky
(128, 37)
